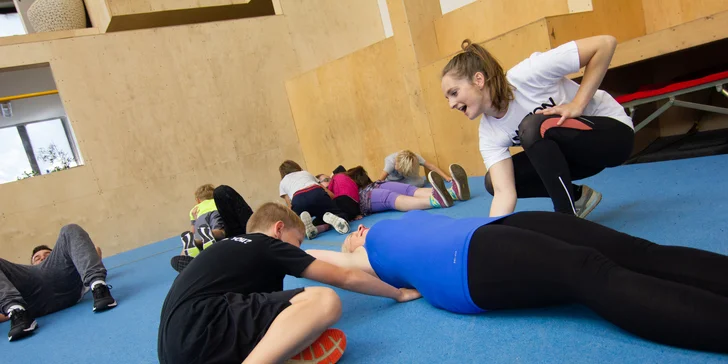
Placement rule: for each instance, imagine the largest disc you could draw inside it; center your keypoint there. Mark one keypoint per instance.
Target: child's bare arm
(288, 200)
(383, 176)
(437, 170)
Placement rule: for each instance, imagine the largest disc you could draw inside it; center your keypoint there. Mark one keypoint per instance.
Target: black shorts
(230, 326)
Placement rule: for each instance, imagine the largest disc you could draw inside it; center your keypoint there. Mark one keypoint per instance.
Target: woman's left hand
(567, 111)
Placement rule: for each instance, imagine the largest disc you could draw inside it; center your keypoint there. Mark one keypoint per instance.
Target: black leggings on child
(316, 202)
(233, 209)
(670, 294)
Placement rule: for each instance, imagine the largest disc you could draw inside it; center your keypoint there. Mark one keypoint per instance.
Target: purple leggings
(383, 197)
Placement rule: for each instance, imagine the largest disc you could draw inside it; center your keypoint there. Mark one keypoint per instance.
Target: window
(13, 160)
(36, 148)
(10, 24)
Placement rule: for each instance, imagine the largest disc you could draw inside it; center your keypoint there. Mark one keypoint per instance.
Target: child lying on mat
(231, 212)
(385, 196)
(205, 220)
(229, 306)
(305, 196)
(345, 193)
(404, 167)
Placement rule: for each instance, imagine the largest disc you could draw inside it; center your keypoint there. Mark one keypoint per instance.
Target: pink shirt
(342, 185)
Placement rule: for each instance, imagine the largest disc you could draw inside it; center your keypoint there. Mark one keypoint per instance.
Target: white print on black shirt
(241, 240)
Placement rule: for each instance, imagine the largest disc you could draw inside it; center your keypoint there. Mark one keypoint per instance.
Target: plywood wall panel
(353, 111)
(486, 19)
(157, 113)
(622, 19)
(324, 30)
(663, 14)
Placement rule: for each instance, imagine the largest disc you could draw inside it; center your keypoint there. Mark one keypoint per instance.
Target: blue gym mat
(675, 203)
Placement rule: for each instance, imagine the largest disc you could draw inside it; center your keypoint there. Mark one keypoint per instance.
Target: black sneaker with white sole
(21, 324)
(102, 298)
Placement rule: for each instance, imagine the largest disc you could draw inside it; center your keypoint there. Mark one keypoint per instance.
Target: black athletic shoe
(179, 262)
(102, 298)
(21, 324)
(205, 234)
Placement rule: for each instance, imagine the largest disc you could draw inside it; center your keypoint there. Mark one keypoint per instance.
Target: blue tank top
(427, 252)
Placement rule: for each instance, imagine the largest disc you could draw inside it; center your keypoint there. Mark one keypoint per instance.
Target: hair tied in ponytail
(467, 45)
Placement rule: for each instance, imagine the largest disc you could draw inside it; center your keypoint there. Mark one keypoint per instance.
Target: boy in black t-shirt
(228, 304)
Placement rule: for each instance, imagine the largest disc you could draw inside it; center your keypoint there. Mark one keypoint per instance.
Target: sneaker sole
(25, 333)
(327, 349)
(179, 262)
(107, 307)
(339, 224)
(438, 184)
(460, 178)
(311, 231)
(591, 206)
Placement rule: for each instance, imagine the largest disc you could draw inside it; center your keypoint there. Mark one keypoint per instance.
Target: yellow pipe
(26, 96)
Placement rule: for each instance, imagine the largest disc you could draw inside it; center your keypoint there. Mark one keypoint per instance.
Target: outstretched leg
(510, 267)
(74, 263)
(694, 267)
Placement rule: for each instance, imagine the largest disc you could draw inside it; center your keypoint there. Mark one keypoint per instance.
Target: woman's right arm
(504, 188)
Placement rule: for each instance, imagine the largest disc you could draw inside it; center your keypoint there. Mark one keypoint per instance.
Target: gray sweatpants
(57, 282)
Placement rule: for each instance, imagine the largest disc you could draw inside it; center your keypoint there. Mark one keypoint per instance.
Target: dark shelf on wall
(693, 144)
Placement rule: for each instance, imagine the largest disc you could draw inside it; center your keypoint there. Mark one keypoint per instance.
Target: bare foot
(98, 251)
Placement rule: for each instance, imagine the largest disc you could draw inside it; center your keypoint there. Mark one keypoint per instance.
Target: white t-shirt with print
(296, 181)
(540, 83)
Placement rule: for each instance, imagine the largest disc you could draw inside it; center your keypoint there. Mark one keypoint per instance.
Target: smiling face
(471, 98)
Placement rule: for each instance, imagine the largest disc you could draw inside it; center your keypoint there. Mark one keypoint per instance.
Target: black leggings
(233, 209)
(316, 202)
(554, 156)
(672, 295)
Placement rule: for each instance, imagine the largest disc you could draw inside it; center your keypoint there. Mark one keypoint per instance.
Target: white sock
(15, 307)
(94, 283)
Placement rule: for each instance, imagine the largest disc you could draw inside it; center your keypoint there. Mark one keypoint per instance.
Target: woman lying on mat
(669, 294)
(568, 131)
(385, 196)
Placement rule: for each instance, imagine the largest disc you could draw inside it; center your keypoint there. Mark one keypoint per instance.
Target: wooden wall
(353, 111)
(663, 14)
(486, 19)
(324, 30)
(158, 112)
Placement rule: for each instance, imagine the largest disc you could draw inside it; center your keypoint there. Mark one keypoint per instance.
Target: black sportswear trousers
(554, 155)
(233, 209)
(669, 294)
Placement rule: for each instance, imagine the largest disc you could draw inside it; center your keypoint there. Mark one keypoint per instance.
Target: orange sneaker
(327, 349)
